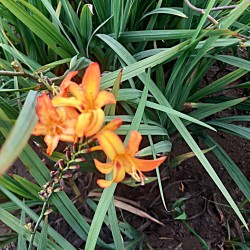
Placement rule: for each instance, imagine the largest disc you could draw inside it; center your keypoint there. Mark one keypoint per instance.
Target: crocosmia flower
(122, 158)
(54, 123)
(87, 99)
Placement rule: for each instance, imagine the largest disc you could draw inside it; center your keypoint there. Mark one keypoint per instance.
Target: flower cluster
(76, 112)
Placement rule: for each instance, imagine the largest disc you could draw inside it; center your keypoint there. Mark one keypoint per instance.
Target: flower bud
(58, 189)
(49, 211)
(68, 155)
(66, 176)
(82, 159)
(74, 167)
(28, 227)
(53, 173)
(75, 147)
(61, 164)
(50, 190)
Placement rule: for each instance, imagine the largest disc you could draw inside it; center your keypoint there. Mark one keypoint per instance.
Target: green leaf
(233, 60)
(154, 35)
(20, 133)
(232, 129)
(14, 223)
(43, 239)
(118, 7)
(40, 25)
(159, 147)
(100, 213)
(180, 158)
(86, 26)
(53, 233)
(21, 239)
(169, 11)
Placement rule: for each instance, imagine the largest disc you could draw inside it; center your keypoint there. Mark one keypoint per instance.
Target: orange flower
(56, 124)
(122, 159)
(87, 99)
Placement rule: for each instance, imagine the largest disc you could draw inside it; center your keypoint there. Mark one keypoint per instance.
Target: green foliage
(46, 39)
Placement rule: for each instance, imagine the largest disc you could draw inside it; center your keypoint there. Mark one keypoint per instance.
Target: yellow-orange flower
(56, 124)
(122, 159)
(87, 99)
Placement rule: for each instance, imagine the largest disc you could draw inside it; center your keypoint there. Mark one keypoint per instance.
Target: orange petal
(104, 183)
(91, 82)
(112, 126)
(71, 113)
(127, 162)
(104, 168)
(51, 142)
(82, 124)
(148, 165)
(40, 129)
(77, 91)
(119, 172)
(66, 82)
(67, 138)
(111, 144)
(104, 98)
(96, 122)
(118, 176)
(59, 101)
(95, 148)
(45, 110)
(133, 143)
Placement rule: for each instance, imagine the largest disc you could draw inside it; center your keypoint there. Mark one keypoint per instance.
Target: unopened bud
(45, 185)
(75, 147)
(28, 227)
(50, 190)
(16, 66)
(74, 167)
(49, 211)
(66, 176)
(58, 189)
(82, 159)
(42, 194)
(68, 155)
(53, 173)
(61, 164)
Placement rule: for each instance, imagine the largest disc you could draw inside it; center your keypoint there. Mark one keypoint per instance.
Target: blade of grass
(40, 25)
(52, 232)
(20, 133)
(21, 240)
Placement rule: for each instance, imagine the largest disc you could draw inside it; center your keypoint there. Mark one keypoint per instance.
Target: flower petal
(112, 126)
(104, 98)
(91, 82)
(67, 138)
(77, 91)
(111, 144)
(82, 124)
(118, 176)
(66, 82)
(104, 168)
(148, 165)
(45, 110)
(96, 122)
(119, 172)
(104, 183)
(40, 129)
(133, 143)
(52, 142)
(59, 101)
